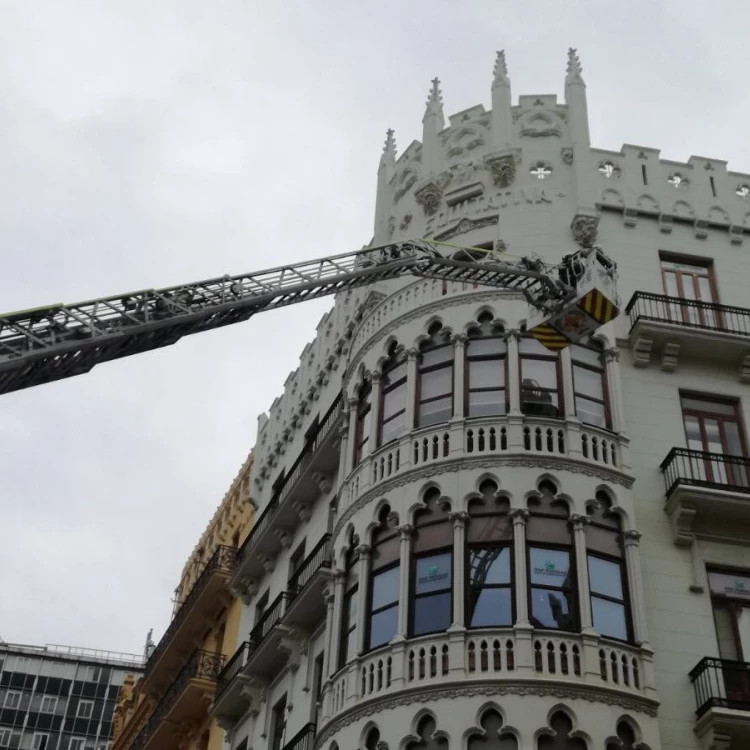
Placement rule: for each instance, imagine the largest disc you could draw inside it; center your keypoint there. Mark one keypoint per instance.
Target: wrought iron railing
(233, 667)
(721, 683)
(267, 621)
(290, 479)
(687, 312)
(703, 469)
(224, 558)
(319, 558)
(303, 740)
(204, 665)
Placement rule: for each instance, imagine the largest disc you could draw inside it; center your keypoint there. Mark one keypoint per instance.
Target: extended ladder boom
(45, 344)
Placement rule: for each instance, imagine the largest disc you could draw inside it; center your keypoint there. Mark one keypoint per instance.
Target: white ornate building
(465, 540)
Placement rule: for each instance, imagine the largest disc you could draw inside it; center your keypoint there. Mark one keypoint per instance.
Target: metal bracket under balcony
(707, 493)
(308, 476)
(671, 328)
(722, 694)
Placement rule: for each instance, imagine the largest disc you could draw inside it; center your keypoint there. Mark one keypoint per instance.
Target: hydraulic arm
(59, 341)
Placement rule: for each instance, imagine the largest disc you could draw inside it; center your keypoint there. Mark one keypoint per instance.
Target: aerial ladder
(567, 303)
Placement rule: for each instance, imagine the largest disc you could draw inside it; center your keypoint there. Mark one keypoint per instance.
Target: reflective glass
(436, 383)
(385, 588)
(490, 607)
(529, 345)
(589, 356)
(605, 577)
(588, 383)
(351, 645)
(434, 573)
(549, 567)
(439, 410)
(383, 627)
(609, 618)
(486, 403)
(395, 374)
(591, 412)
(486, 373)
(436, 356)
(432, 613)
(394, 428)
(543, 373)
(394, 401)
(485, 347)
(492, 528)
(489, 565)
(550, 609)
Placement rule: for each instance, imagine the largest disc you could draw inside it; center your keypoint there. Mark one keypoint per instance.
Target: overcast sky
(145, 144)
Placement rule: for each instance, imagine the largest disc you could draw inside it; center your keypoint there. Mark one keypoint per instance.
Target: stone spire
(433, 123)
(574, 70)
(502, 121)
(384, 195)
(575, 98)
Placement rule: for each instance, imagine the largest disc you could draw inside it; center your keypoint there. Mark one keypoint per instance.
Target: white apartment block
(466, 541)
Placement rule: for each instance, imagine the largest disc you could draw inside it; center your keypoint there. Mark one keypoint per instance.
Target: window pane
(605, 577)
(394, 401)
(542, 373)
(436, 356)
(487, 373)
(604, 540)
(484, 347)
(490, 607)
(436, 383)
(712, 407)
(489, 565)
(432, 613)
(351, 645)
(433, 412)
(486, 403)
(591, 357)
(591, 412)
(385, 588)
(551, 609)
(490, 528)
(549, 567)
(609, 618)
(588, 382)
(351, 609)
(434, 573)
(394, 428)
(383, 627)
(693, 432)
(529, 345)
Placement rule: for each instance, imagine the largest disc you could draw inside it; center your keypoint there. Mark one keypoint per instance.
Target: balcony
(189, 623)
(671, 327)
(184, 702)
(722, 695)
(317, 461)
(305, 607)
(707, 492)
(303, 740)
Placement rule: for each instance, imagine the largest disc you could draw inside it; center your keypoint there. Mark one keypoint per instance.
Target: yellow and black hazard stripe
(549, 337)
(598, 307)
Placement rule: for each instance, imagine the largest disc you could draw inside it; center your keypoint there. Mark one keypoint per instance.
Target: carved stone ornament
(404, 225)
(566, 154)
(500, 246)
(391, 225)
(429, 197)
(585, 230)
(502, 169)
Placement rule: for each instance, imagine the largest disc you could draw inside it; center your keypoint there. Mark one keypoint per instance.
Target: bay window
(435, 380)
(606, 569)
(489, 590)
(590, 385)
(384, 582)
(348, 644)
(551, 563)
(364, 415)
(486, 357)
(393, 398)
(432, 568)
(541, 381)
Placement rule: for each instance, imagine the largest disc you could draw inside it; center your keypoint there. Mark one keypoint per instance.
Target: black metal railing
(721, 683)
(310, 448)
(303, 740)
(233, 667)
(319, 558)
(268, 620)
(710, 316)
(204, 665)
(224, 558)
(704, 469)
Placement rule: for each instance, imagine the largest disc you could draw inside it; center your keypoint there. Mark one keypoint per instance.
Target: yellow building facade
(168, 707)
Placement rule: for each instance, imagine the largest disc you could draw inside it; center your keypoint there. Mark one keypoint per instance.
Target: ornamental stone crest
(502, 169)
(566, 155)
(585, 230)
(429, 197)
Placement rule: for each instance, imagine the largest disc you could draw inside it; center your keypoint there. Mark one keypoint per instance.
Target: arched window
(486, 359)
(384, 580)
(541, 379)
(590, 384)
(489, 573)
(432, 568)
(435, 382)
(626, 737)
(550, 562)
(429, 738)
(348, 643)
(493, 736)
(364, 414)
(372, 739)
(559, 738)
(393, 397)
(606, 566)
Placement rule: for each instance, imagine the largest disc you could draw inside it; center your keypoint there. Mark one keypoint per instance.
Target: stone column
(578, 523)
(632, 540)
(459, 370)
(334, 614)
(566, 365)
(374, 412)
(520, 516)
(364, 551)
(411, 389)
(616, 408)
(344, 445)
(514, 374)
(459, 520)
(349, 455)
(405, 533)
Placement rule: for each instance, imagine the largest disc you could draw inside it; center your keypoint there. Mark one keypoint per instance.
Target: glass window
(551, 595)
(364, 415)
(607, 598)
(541, 386)
(49, 704)
(385, 588)
(605, 577)
(393, 399)
(85, 709)
(383, 627)
(435, 385)
(490, 588)
(384, 582)
(589, 385)
(12, 699)
(485, 377)
(433, 583)
(348, 643)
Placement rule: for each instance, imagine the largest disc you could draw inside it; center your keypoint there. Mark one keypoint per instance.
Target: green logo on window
(739, 584)
(434, 570)
(549, 565)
